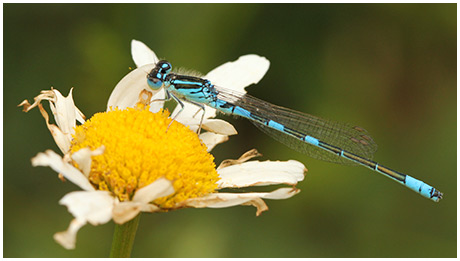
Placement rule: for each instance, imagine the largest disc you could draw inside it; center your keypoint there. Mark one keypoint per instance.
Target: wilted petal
(94, 207)
(64, 104)
(83, 158)
(62, 140)
(259, 204)
(243, 158)
(282, 193)
(50, 159)
(68, 238)
(65, 112)
(212, 139)
(248, 69)
(126, 92)
(223, 200)
(142, 54)
(256, 173)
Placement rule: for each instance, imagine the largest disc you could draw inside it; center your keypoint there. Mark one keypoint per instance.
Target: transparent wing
(345, 136)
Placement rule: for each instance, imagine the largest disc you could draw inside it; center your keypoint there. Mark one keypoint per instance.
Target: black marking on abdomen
(295, 133)
(364, 162)
(259, 118)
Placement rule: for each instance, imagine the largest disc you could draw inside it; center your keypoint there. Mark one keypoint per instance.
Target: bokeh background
(390, 68)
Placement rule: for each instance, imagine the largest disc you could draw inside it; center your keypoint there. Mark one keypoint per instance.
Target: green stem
(123, 238)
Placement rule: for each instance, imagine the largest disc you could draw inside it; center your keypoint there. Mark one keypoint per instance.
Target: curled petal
(62, 140)
(142, 54)
(83, 158)
(68, 238)
(249, 69)
(256, 173)
(259, 204)
(223, 200)
(54, 96)
(245, 157)
(50, 159)
(65, 114)
(126, 92)
(282, 193)
(212, 139)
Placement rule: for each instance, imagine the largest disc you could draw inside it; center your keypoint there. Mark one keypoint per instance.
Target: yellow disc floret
(140, 147)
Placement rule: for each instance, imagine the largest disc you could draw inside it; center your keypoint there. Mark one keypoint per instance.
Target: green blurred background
(390, 68)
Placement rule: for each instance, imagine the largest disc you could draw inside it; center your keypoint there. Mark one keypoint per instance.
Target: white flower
(145, 174)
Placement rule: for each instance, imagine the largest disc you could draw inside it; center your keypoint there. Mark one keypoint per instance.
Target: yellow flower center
(140, 148)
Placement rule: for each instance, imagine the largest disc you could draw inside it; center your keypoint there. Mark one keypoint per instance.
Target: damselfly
(316, 137)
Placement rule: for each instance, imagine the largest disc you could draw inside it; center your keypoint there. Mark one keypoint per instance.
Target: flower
(133, 158)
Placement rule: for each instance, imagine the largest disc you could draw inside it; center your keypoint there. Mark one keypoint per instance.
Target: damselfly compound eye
(153, 80)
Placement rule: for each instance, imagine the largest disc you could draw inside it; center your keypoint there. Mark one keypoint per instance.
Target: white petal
(212, 139)
(126, 92)
(51, 159)
(159, 188)
(191, 117)
(219, 126)
(213, 125)
(94, 207)
(256, 173)
(68, 238)
(248, 69)
(142, 54)
(83, 158)
(192, 111)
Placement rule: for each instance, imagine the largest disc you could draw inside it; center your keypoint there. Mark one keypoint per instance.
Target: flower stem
(123, 238)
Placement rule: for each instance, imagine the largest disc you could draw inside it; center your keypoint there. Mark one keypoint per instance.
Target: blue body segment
(316, 137)
(311, 140)
(237, 111)
(419, 186)
(275, 125)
